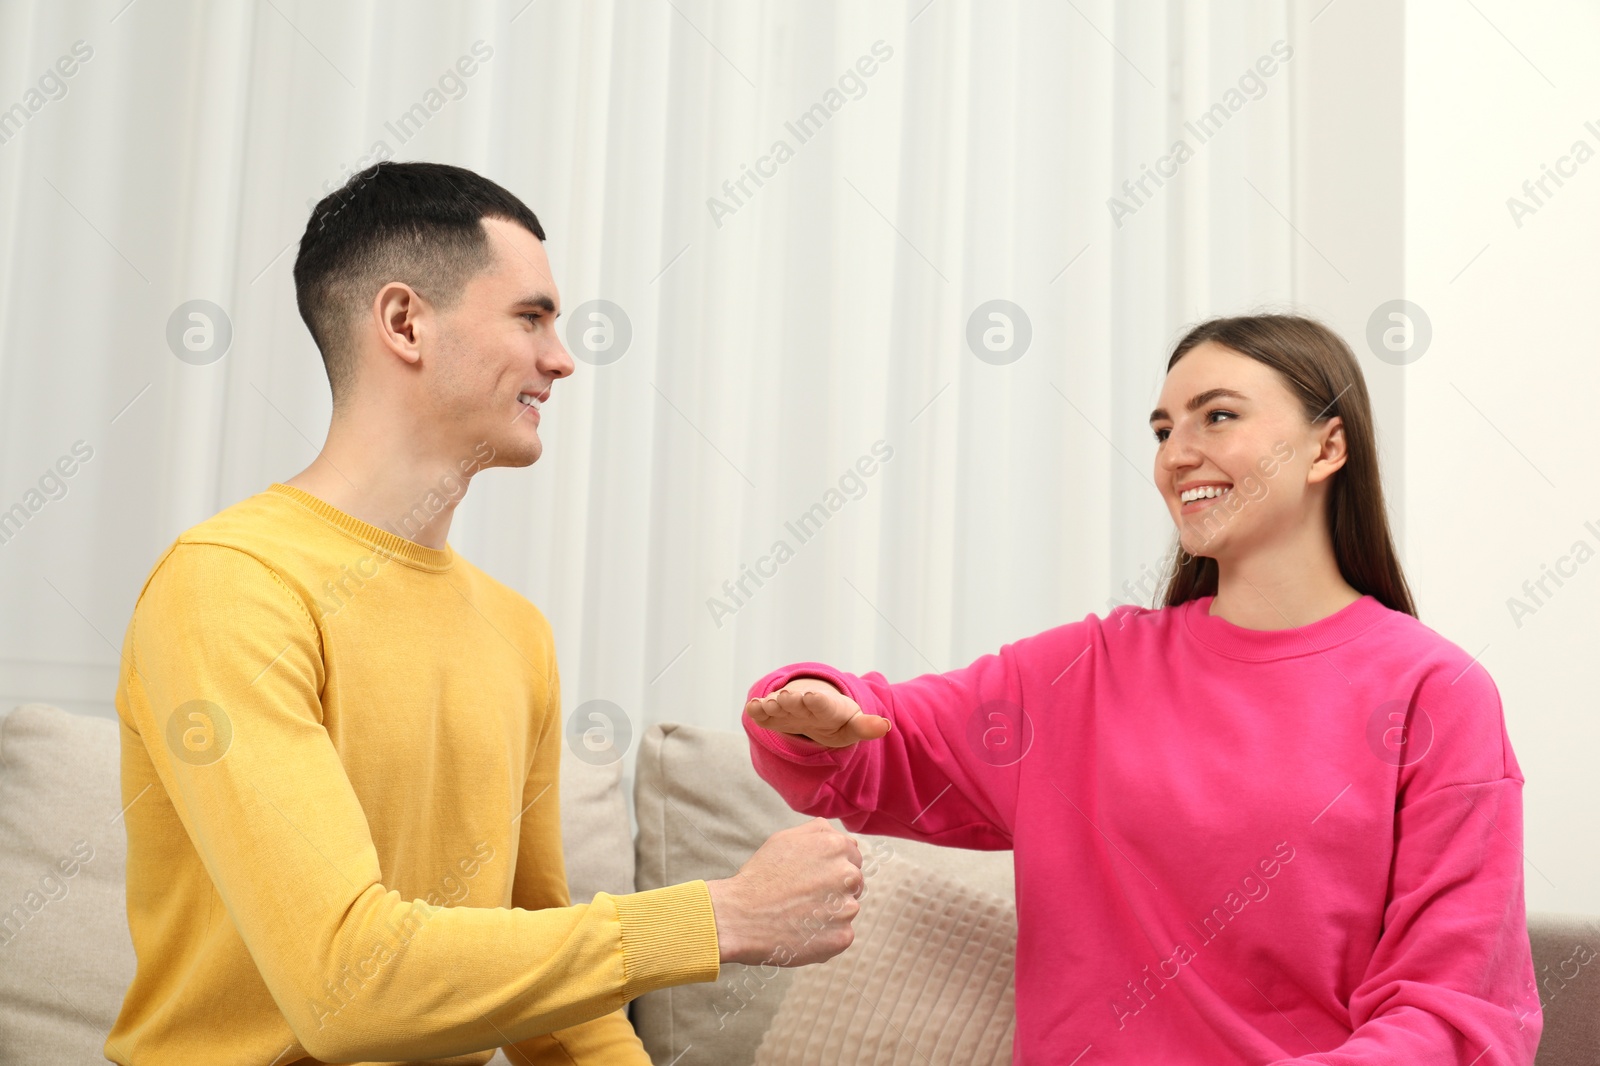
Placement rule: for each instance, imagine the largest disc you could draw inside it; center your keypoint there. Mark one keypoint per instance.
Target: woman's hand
(812, 708)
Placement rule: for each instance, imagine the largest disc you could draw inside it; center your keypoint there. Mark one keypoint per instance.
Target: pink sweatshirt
(1231, 845)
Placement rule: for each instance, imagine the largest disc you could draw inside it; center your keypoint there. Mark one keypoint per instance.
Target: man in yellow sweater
(340, 740)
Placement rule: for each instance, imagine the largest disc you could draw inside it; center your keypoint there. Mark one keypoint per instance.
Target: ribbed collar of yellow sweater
(381, 540)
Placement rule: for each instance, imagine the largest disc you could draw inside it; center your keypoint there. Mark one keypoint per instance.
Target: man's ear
(398, 311)
(1332, 450)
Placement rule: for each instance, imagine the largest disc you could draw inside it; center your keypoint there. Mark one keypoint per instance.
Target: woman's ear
(1331, 450)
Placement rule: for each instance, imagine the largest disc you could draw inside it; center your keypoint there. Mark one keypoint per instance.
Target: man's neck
(394, 487)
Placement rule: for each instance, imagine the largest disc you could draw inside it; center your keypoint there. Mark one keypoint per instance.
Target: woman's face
(1236, 460)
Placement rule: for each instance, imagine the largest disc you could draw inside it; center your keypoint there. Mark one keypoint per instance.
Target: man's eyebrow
(541, 301)
(1199, 400)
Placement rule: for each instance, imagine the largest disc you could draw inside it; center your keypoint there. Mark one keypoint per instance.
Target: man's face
(497, 343)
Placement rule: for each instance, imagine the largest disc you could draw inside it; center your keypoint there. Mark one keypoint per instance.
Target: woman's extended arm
(942, 764)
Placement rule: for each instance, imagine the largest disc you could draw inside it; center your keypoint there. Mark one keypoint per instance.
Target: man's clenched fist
(793, 902)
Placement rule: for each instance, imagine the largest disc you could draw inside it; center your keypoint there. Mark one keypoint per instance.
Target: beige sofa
(65, 956)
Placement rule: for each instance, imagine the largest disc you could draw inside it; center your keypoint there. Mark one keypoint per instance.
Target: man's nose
(556, 360)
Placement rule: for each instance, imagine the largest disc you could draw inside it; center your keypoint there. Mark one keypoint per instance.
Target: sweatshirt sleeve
(226, 675)
(946, 772)
(540, 881)
(1451, 980)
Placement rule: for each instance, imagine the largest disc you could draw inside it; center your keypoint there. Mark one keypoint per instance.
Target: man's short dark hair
(417, 223)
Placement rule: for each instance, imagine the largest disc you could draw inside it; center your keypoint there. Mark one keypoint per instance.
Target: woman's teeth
(1204, 493)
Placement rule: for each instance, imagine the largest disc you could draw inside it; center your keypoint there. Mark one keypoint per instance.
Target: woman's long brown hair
(1319, 368)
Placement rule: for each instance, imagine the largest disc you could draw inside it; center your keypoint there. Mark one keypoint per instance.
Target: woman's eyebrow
(1199, 400)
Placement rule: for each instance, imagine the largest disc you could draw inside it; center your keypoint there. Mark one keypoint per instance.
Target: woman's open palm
(815, 709)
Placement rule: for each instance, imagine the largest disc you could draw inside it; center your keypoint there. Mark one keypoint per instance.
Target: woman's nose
(1177, 451)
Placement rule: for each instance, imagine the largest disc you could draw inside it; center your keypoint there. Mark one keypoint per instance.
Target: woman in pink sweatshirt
(1276, 820)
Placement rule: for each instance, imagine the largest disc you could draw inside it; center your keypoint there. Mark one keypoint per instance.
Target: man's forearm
(609, 1040)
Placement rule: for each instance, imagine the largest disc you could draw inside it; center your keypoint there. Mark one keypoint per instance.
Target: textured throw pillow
(928, 979)
(702, 812)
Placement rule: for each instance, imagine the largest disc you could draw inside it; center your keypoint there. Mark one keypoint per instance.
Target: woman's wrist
(812, 683)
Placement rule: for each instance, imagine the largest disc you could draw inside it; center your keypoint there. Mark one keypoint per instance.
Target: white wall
(1500, 410)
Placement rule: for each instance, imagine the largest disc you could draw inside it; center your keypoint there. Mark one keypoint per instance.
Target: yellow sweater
(339, 760)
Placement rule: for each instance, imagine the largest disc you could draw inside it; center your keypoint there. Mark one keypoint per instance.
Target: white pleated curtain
(801, 349)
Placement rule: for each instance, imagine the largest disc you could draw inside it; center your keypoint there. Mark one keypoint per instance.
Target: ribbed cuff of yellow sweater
(669, 937)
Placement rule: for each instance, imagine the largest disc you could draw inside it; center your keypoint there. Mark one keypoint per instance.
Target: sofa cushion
(702, 812)
(929, 978)
(1566, 963)
(65, 953)
(596, 837)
